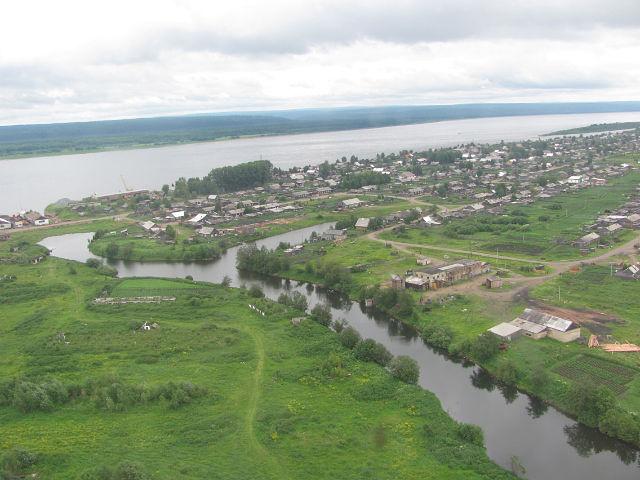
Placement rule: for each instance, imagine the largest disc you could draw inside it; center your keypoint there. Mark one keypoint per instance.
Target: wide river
(33, 183)
(547, 443)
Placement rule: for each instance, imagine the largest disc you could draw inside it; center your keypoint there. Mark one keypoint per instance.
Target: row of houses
(24, 219)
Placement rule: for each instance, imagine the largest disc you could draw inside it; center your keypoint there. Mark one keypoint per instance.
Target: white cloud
(71, 60)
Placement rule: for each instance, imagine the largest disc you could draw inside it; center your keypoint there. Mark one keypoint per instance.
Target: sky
(69, 60)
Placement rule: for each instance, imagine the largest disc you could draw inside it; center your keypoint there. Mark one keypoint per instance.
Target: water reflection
(536, 407)
(588, 441)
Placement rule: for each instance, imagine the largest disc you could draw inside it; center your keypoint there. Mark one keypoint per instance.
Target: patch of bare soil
(596, 322)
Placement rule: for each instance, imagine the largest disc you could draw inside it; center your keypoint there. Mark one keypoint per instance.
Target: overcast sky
(67, 60)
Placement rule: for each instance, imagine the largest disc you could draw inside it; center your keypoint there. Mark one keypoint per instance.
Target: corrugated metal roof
(549, 321)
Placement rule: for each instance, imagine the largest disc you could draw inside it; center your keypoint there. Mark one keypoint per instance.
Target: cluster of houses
(612, 223)
(537, 324)
(24, 219)
(433, 278)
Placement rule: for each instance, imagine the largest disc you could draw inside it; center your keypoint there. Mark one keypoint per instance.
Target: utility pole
(559, 293)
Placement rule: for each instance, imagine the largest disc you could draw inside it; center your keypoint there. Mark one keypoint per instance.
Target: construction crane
(124, 183)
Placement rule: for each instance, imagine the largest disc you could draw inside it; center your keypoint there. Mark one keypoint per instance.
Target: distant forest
(598, 127)
(64, 138)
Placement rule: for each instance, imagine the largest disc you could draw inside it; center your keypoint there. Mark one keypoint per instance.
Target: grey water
(34, 183)
(547, 443)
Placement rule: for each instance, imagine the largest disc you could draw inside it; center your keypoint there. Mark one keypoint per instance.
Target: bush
(122, 471)
(349, 337)
(321, 314)
(438, 336)
(507, 372)
(485, 347)
(620, 424)
(30, 397)
(255, 291)
(590, 403)
(15, 461)
(405, 369)
(371, 351)
(295, 300)
(470, 434)
(226, 281)
(107, 270)
(93, 263)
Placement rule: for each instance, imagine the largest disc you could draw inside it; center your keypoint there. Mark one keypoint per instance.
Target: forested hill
(597, 128)
(60, 138)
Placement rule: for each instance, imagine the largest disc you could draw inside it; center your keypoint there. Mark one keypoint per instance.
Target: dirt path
(254, 392)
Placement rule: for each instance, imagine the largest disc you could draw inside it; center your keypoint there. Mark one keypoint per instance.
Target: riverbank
(278, 401)
(457, 323)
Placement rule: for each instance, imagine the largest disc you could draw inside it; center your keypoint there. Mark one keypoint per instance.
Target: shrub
(470, 434)
(295, 300)
(620, 424)
(371, 351)
(226, 281)
(15, 461)
(438, 336)
(122, 471)
(507, 372)
(333, 366)
(107, 270)
(485, 347)
(590, 403)
(255, 291)
(93, 263)
(539, 378)
(349, 337)
(30, 397)
(321, 314)
(405, 369)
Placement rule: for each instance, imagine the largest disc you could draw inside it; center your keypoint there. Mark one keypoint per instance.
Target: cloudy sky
(70, 60)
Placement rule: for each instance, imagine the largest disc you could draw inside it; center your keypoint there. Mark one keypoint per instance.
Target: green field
(546, 233)
(268, 400)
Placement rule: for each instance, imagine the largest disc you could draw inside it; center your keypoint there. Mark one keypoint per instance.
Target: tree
(226, 281)
(112, 250)
(171, 232)
(485, 347)
(321, 314)
(349, 337)
(470, 433)
(405, 368)
(591, 403)
(165, 189)
(371, 351)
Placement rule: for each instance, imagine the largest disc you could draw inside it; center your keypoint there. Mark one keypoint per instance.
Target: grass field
(552, 224)
(279, 401)
(595, 288)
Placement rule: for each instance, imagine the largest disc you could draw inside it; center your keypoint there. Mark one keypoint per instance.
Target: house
(554, 327)
(633, 221)
(206, 231)
(301, 194)
(428, 221)
(397, 282)
(493, 282)
(630, 273)
(177, 215)
(40, 221)
(437, 277)
(148, 225)
(350, 203)
(5, 223)
(334, 235)
(506, 331)
(613, 228)
(575, 180)
(197, 219)
(362, 223)
(416, 283)
(587, 240)
(323, 190)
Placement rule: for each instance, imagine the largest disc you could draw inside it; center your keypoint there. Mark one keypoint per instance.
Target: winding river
(546, 442)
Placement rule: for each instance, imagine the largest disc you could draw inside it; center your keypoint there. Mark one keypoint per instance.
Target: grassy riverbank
(268, 400)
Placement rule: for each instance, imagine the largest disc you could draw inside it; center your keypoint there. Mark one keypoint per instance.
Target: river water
(547, 443)
(33, 183)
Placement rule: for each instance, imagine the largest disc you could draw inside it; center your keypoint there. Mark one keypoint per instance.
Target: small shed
(506, 331)
(416, 283)
(397, 282)
(362, 223)
(493, 282)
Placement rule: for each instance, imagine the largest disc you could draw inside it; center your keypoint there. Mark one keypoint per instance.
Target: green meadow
(215, 391)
